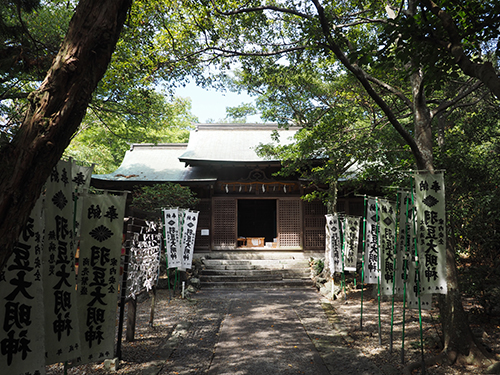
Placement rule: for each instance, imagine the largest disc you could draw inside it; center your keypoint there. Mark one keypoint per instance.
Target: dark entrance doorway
(257, 218)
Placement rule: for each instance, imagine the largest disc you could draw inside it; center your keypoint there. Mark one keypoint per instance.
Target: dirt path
(208, 334)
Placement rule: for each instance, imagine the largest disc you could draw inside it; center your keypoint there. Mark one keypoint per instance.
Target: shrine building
(243, 205)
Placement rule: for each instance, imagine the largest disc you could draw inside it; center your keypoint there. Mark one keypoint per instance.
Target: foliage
(153, 198)
(30, 37)
(470, 156)
(126, 107)
(105, 136)
(471, 159)
(341, 136)
(317, 265)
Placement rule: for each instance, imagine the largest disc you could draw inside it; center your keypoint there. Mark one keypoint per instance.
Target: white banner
(62, 337)
(144, 260)
(405, 245)
(80, 176)
(328, 247)
(172, 237)
(188, 238)
(430, 202)
(412, 291)
(387, 211)
(351, 242)
(22, 333)
(99, 273)
(372, 243)
(335, 244)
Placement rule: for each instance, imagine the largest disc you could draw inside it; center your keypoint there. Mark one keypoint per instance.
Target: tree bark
(331, 205)
(56, 110)
(459, 342)
(422, 120)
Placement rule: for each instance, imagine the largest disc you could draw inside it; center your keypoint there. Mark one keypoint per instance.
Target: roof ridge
(269, 126)
(158, 145)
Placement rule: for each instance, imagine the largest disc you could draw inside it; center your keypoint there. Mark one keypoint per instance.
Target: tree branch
(442, 107)
(485, 72)
(261, 9)
(391, 89)
(362, 78)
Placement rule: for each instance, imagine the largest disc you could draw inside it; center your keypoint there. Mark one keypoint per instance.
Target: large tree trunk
(459, 342)
(331, 205)
(422, 119)
(56, 111)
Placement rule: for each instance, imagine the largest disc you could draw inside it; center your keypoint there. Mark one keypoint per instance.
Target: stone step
(273, 255)
(299, 272)
(256, 269)
(239, 278)
(259, 275)
(286, 283)
(248, 264)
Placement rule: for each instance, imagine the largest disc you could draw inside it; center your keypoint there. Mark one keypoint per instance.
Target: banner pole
(417, 273)
(394, 269)
(363, 263)
(378, 271)
(166, 255)
(123, 298)
(342, 248)
(405, 277)
(176, 279)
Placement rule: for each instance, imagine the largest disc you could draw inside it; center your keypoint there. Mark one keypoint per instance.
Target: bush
(317, 265)
(153, 198)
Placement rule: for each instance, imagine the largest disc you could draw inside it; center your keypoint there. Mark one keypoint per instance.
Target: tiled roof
(231, 143)
(208, 144)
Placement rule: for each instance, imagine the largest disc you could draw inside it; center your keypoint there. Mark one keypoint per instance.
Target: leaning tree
(55, 111)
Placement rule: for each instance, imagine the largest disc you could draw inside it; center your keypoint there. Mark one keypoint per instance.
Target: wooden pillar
(131, 314)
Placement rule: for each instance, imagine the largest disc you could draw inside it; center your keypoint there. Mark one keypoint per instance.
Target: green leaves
(153, 198)
(144, 116)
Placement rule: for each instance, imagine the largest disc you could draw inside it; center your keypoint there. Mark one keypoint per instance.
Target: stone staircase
(256, 269)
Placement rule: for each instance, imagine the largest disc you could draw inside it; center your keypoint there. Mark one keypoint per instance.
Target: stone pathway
(264, 332)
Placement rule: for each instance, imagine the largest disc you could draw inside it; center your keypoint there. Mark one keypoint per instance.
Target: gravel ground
(191, 326)
(367, 340)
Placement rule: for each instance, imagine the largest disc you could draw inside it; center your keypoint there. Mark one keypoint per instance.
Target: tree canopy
(127, 106)
(416, 64)
(417, 61)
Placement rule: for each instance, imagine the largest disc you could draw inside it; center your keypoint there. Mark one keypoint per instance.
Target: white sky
(211, 104)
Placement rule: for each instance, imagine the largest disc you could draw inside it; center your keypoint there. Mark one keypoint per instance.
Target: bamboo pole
(394, 265)
(405, 277)
(363, 263)
(378, 271)
(417, 274)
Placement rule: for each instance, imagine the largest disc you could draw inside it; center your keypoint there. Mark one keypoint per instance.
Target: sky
(211, 104)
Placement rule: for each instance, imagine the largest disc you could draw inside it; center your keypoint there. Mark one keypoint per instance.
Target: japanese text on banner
(62, 336)
(372, 244)
(431, 221)
(98, 275)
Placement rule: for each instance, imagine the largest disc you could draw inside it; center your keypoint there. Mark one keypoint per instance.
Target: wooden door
(289, 223)
(314, 225)
(224, 223)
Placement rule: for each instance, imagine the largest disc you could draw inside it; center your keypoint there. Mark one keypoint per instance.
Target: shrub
(155, 197)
